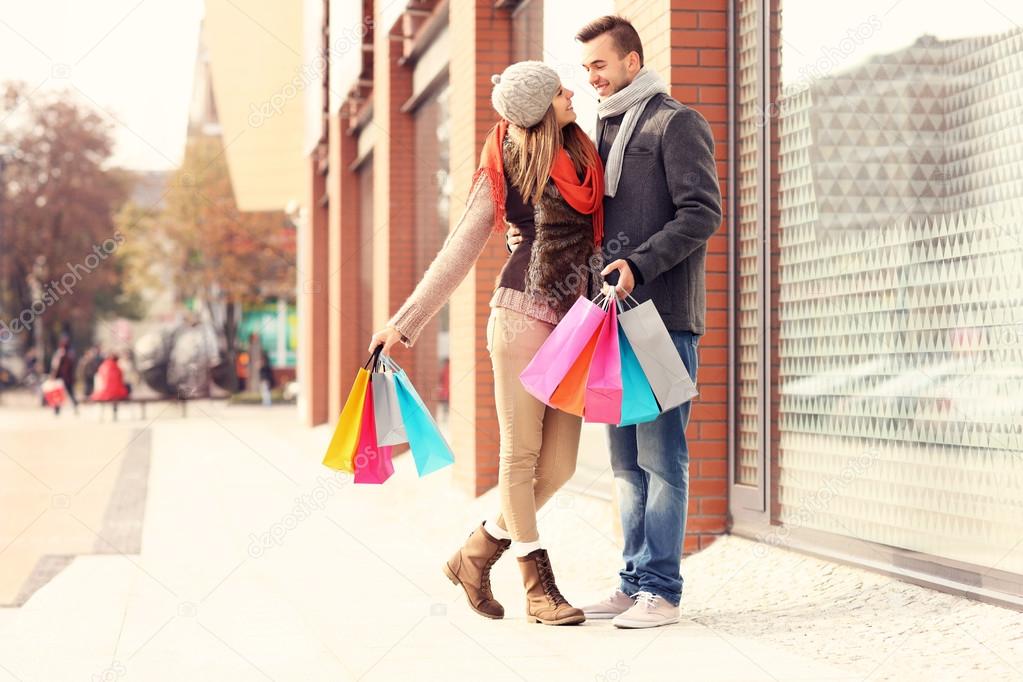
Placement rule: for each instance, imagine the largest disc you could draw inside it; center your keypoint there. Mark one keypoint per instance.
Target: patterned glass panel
(749, 130)
(901, 283)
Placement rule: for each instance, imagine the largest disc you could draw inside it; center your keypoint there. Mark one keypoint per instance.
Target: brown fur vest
(564, 263)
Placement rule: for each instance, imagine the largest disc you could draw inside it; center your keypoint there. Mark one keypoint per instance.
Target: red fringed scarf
(586, 197)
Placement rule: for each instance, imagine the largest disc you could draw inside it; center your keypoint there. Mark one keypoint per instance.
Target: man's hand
(386, 337)
(513, 237)
(626, 282)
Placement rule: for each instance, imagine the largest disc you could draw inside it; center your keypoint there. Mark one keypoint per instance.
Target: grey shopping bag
(386, 412)
(663, 366)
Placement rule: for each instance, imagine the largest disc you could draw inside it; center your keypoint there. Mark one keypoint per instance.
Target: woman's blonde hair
(538, 147)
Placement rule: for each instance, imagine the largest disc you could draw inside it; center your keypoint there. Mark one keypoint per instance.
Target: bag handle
(633, 303)
(604, 301)
(374, 358)
(388, 362)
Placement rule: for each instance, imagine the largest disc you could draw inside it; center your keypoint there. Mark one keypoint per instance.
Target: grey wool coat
(667, 206)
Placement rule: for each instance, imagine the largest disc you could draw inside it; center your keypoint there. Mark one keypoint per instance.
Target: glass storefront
(432, 204)
(879, 238)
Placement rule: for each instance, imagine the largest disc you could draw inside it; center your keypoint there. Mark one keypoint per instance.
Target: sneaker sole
(454, 579)
(602, 615)
(570, 620)
(636, 625)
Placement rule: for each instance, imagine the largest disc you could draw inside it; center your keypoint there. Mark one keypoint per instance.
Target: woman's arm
(460, 252)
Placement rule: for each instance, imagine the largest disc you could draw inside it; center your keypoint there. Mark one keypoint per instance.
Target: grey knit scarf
(630, 100)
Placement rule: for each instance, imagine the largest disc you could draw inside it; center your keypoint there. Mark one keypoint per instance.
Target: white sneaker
(649, 611)
(617, 604)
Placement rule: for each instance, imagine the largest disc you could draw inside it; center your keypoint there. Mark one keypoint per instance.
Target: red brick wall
(347, 348)
(686, 41)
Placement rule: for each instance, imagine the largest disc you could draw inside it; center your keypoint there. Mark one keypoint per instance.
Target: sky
(133, 60)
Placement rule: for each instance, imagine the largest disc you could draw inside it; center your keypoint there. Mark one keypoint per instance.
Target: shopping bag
(556, 355)
(372, 461)
(54, 392)
(604, 381)
(638, 402)
(345, 440)
(429, 449)
(669, 379)
(570, 395)
(386, 413)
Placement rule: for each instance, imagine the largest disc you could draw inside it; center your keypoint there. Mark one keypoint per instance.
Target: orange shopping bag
(570, 394)
(345, 440)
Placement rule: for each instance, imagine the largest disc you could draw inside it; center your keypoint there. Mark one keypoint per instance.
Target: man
(662, 203)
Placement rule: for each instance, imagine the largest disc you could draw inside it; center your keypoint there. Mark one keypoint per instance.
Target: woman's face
(563, 111)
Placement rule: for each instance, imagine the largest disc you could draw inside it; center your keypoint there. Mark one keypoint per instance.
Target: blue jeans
(651, 468)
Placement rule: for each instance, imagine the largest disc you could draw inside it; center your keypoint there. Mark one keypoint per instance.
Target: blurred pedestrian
(110, 386)
(266, 379)
(62, 366)
(241, 369)
(32, 370)
(87, 369)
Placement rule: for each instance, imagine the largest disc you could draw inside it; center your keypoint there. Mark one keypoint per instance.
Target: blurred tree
(59, 265)
(222, 257)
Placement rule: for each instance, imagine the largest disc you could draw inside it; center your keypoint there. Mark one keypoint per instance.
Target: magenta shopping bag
(604, 383)
(372, 461)
(555, 357)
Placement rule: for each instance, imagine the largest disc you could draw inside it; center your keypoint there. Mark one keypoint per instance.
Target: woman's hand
(386, 337)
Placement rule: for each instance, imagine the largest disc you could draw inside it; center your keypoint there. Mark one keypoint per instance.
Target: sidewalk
(257, 563)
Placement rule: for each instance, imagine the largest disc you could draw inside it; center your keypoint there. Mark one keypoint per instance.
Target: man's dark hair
(622, 32)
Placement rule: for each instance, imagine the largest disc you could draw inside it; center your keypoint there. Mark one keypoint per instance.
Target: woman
(541, 173)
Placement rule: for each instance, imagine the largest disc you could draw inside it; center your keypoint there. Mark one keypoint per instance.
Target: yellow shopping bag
(341, 451)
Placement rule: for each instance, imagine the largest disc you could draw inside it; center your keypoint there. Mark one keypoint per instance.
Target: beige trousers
(539, 444)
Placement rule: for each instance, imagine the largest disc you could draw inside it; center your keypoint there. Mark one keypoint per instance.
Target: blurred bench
(141, 402)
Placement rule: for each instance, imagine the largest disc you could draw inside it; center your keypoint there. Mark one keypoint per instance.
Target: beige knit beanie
(524, 91)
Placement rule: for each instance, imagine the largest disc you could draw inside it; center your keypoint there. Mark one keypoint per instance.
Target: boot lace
(550, 588)
(485, 581)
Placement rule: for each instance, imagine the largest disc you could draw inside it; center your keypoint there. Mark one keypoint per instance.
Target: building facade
(860, 374)
(402, 113)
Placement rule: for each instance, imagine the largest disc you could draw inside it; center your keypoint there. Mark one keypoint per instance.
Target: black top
(518, 212)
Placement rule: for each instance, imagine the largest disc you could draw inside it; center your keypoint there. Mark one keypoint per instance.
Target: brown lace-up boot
(470, 567)
(544, 603)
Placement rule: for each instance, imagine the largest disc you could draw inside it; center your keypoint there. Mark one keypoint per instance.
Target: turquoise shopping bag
(638, 402)
(429, 449)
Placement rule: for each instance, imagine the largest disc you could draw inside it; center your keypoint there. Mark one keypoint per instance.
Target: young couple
(650, 182)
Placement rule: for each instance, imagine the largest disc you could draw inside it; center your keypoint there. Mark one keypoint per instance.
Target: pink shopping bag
(604, 383)
(372, 461)
(559, 352)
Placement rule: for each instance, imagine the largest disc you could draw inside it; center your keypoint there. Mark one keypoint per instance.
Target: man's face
(607, 71)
